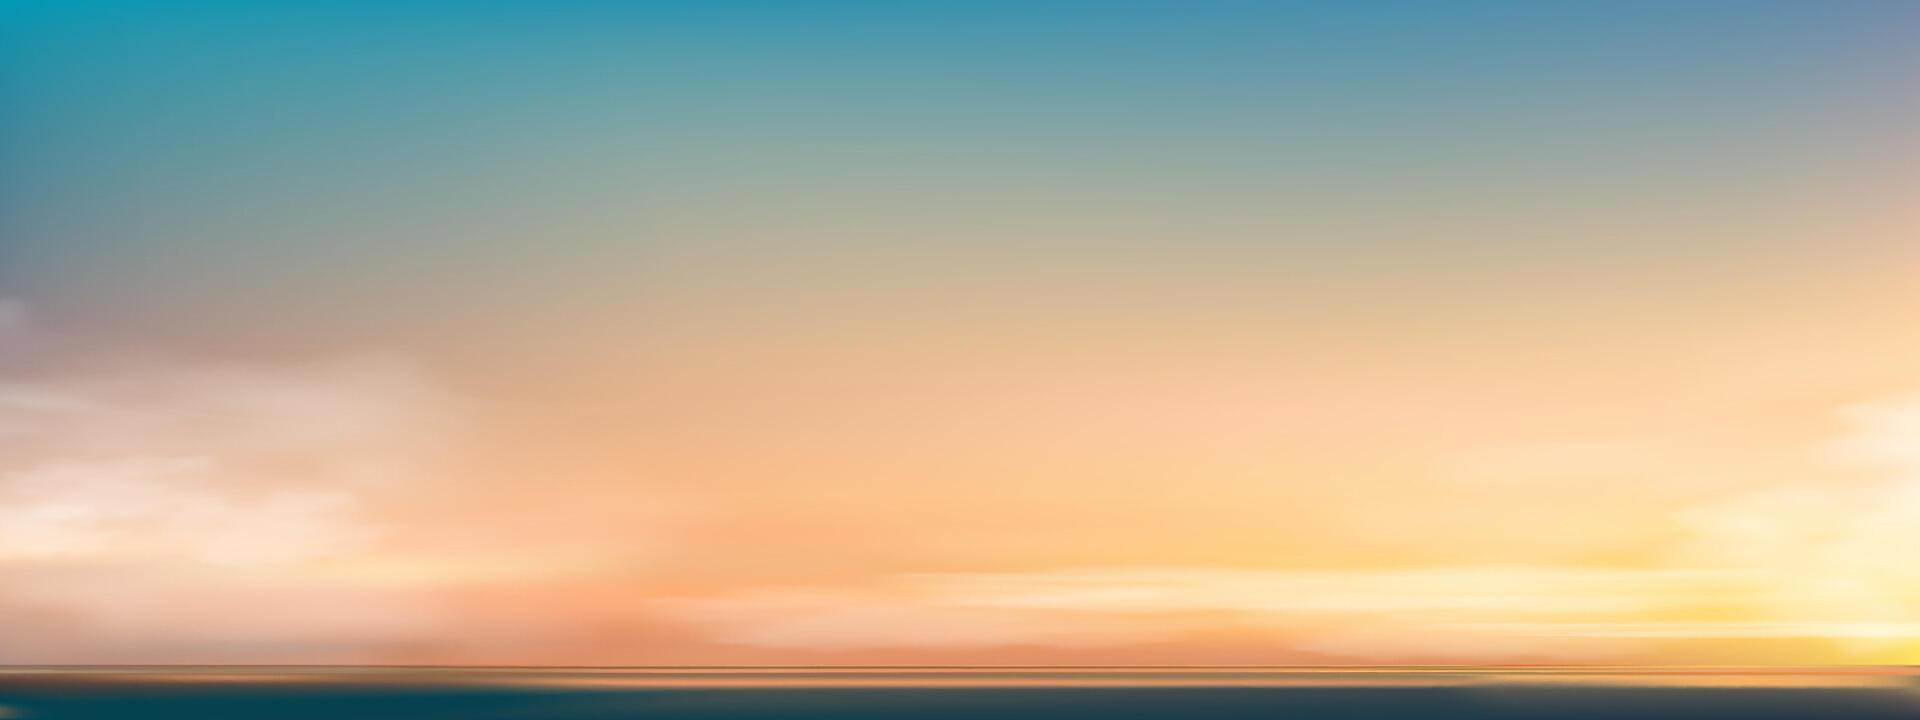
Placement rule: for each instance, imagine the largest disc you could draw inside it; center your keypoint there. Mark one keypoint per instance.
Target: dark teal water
(1007, 695)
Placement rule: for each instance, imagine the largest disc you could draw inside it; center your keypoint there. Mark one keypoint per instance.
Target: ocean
(172, 693)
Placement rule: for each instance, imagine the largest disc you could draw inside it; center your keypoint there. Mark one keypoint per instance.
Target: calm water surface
(954, 693)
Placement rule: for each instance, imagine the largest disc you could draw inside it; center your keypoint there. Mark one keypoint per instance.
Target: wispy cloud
(1383, 614)
(212, 461)
(1815, 559)
(1836, 544)
(144, 486)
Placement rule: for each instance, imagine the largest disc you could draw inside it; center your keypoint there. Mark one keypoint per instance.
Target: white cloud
(1883, 435)
(168, 507)
(137, 487)
(1836, 548)
(208, 461)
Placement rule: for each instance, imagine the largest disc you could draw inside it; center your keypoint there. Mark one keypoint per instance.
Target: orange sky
(756, 336)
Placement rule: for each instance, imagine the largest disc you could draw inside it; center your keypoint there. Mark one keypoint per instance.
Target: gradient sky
(985, 332)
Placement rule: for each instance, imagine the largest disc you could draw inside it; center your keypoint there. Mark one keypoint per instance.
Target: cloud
(1375, 615)
(1815, 559)
(138, 492)
(206, 461)
(170, 508)
(1883, 434)
(1834, 547)
(1506, 590)
(166, 507)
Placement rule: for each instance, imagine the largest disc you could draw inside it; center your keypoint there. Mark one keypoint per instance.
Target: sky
(1029, 333)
